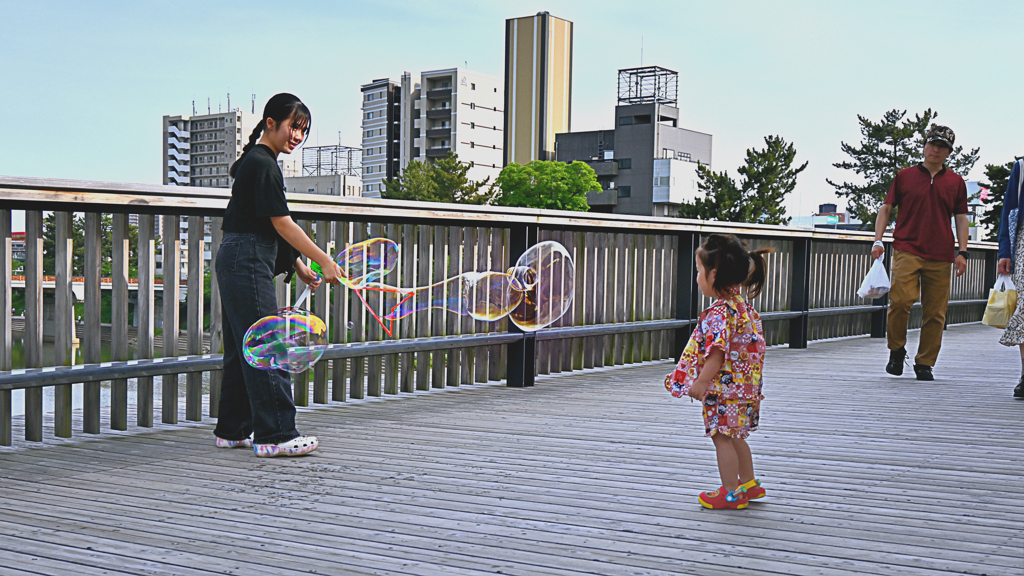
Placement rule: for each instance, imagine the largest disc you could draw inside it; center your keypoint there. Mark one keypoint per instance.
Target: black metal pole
(522, 364)
(687, 293)
(799, 328)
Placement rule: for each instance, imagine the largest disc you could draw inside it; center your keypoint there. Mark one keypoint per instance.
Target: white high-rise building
(451, 110)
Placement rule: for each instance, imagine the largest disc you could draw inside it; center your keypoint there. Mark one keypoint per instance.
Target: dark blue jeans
(251, 400)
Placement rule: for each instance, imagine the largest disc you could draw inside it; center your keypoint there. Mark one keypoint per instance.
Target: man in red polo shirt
(927, 195)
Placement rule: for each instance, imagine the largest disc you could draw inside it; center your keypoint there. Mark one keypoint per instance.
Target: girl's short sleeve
(714, 330)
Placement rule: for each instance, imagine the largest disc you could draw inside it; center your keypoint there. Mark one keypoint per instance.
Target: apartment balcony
(438, 151)
(178, 179)
(179, 133)
(605, 167)
(178, 143)
(179, 167)
(603, 197)
(439, 132)
(442, 112)
(181, 157)
(439, 93)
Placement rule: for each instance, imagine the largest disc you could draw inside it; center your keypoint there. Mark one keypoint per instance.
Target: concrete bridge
(591, 472)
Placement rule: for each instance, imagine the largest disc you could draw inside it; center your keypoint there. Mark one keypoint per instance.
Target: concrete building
(538, 86)
(647, 164)
(449, 110)
(328, 185)
(381, 117)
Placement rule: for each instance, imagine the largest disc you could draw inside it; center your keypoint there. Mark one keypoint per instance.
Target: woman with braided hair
(261, 241)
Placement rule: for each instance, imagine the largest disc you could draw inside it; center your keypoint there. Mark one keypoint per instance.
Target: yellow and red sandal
(753, 489)
(720, 499)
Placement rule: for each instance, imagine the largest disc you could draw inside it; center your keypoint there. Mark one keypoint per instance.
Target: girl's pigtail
(758, 272)
(253, 139)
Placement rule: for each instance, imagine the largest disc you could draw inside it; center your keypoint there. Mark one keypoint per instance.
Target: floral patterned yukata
(733, 402)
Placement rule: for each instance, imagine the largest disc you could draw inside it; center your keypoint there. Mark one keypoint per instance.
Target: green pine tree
(444, 180)
(723, 199)
(998, 177)
(769, 177)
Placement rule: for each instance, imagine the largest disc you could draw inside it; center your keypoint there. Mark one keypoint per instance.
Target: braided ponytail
(253, 139)
(280, 107)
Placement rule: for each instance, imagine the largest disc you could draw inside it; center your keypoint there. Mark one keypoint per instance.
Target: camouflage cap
(940, 134)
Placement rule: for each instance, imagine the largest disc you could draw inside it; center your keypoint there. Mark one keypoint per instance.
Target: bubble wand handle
(305, 293)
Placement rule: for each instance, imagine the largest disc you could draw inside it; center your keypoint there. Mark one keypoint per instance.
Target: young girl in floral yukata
(721, 364)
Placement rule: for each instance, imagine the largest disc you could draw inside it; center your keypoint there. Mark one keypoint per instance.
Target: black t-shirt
(257, 194)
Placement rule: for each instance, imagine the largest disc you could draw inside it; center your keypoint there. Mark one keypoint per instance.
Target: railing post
(64, 320)
(216, 315)
(522, 354)
(194, 309)
(6, 355)
(991, 261)
(687, 292)
(144, 313)
(34, 320)
(119, 320)
(171, 240)
(92, 351)
(880, 318)
(800, 294)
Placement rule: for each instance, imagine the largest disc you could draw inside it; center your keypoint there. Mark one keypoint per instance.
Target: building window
(642, 119)
(472, 144)
(624, 191)
(625, 121)
(472, 105)
(472, 124)
(311, 190)
(625, 163)
(472, 86)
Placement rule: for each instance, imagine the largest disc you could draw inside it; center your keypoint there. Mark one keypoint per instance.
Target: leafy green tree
(998, 177)
(886, 147)
(548, 185)
(444, 180)
(768, 176)
(723, 199)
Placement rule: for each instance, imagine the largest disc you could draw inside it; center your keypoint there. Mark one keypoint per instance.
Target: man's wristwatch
(962, 253)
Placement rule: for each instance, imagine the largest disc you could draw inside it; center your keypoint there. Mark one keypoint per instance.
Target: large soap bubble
(367, 262)
(291, 339)
(546, 277)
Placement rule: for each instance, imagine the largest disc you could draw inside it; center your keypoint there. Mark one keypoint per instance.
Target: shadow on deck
(588, 473)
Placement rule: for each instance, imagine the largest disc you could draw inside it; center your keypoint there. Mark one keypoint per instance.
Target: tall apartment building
(199, 151)
(381, 118)
(450, 110)
(538, 86)
(647, 164)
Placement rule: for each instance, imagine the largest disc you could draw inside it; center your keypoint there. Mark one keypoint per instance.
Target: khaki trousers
(913, 277)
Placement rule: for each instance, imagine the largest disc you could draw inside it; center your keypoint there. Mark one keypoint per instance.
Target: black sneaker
(923, 372)
(896, 358)
(1018, 392)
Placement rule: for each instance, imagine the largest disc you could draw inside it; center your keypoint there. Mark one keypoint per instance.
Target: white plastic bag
(876, 283)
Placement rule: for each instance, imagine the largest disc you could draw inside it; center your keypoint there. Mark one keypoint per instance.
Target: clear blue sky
(83, 85)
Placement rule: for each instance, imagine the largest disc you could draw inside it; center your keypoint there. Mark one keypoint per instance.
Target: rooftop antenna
(193, 105)
(229, 101)
(253, 103)
(641, 49)
(207, 104)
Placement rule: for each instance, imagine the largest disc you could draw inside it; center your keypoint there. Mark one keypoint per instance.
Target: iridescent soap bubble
(485, 296)
(546, 276)
(367, 262)
(291, 339)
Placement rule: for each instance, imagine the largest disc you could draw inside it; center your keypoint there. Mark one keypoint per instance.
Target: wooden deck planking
(590, 472)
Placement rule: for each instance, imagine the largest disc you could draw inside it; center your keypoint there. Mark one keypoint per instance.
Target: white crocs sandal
(294, 447)
(246, 443)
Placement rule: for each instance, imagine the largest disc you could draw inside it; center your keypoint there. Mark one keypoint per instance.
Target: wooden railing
(636, 297)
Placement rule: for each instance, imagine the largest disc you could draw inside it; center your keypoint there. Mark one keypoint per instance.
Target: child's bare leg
(745, 460)
(728, 462)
